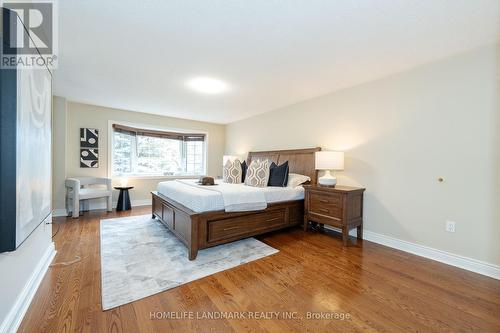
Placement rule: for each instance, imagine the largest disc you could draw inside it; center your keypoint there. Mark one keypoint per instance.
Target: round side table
(124, 198)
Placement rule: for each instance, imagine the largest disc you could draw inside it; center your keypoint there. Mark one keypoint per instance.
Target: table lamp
(329, 160)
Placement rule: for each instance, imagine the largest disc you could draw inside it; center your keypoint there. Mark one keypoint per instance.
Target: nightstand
(340, 207)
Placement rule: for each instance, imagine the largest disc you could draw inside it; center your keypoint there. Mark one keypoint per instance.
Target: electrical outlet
(450, 226)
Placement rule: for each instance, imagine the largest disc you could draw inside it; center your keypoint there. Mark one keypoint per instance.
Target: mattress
(202, 200)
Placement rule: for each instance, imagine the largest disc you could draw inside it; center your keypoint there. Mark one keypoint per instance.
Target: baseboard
(137, 203)
(15, 316)
(59, 212)
(101, 204)
(448, 258)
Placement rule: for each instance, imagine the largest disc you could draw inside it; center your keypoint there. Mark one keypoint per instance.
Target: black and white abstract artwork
(89, 158)
(89, 138)
(34, 136)
(89, 144)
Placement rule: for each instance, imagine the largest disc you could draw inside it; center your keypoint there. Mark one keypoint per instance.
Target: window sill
(159, 177)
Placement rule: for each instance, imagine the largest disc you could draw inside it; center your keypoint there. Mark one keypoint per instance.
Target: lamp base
(327, 179)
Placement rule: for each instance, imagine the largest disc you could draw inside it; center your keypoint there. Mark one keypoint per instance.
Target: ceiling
(138, 55)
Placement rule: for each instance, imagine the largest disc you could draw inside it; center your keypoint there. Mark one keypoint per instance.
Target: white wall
(400, 134)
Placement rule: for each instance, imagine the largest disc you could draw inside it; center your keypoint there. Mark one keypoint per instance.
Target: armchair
(78, 189)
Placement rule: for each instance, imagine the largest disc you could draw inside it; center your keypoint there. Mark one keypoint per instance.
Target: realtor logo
(28, 32)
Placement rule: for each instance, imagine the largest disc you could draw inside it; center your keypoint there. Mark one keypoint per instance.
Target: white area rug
(140, 257)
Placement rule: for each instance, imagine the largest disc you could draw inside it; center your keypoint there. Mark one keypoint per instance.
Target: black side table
(123, 199)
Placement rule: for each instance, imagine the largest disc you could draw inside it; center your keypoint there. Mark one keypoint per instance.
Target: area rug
(140, 258)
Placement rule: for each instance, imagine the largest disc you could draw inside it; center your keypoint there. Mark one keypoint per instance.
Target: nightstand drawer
(329, 204)
(333, 212)
(331, 199)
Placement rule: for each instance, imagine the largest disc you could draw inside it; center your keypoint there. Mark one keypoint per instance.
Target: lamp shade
(329, 160)
(231, 158)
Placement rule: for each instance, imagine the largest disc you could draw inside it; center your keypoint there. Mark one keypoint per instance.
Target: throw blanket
(237, 197)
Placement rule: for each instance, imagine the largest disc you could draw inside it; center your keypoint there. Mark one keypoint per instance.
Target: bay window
(145, 152)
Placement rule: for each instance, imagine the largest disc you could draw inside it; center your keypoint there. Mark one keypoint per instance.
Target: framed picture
(89, 158)
(89, 138)
(89, 148)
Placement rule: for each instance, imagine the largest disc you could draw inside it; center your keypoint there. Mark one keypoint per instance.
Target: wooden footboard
(202, 230)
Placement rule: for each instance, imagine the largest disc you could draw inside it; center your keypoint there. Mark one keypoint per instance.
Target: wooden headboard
(299, 160)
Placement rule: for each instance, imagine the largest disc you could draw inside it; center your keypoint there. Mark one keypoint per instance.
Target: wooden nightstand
(339, 206)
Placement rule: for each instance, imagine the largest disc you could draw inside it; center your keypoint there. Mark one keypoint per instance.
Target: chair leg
(68, 205)
(110, 204)
(76, 208)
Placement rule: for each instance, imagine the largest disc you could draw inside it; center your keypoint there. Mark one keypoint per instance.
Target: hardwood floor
(380, 289)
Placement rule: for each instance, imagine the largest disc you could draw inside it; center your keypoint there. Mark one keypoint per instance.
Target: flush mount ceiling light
(206, 85)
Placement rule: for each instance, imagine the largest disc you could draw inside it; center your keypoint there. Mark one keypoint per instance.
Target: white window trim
(152, 127)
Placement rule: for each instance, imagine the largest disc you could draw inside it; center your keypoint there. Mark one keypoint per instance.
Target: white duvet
(228, 197)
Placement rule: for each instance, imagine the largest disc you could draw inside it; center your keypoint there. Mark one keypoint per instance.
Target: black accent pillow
(278, 175)
(244, 168)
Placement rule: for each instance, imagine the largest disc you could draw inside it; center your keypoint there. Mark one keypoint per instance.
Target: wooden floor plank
(381, 289)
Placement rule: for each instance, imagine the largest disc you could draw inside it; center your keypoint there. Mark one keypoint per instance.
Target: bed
(197, 216)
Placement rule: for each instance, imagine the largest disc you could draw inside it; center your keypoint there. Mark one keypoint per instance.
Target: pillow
(244, 168)
(278, 175)
(232, 172)
(294, 179)
(257, 173)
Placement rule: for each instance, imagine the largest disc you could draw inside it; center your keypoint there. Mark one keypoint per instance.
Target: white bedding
(235, 198)
(200, 199)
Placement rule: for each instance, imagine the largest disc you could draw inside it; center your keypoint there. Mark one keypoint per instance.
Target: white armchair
(78, 189)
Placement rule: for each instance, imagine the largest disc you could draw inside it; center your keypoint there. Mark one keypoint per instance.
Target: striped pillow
(257, 173)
